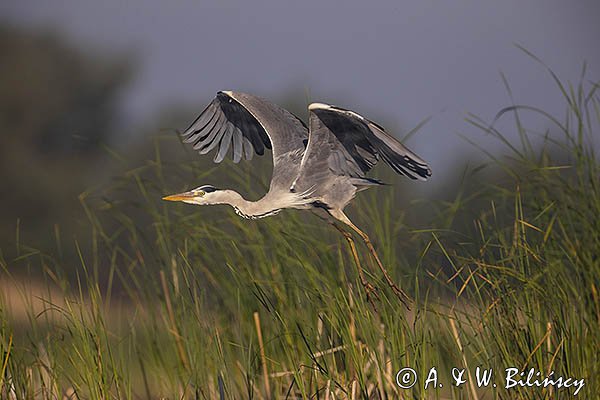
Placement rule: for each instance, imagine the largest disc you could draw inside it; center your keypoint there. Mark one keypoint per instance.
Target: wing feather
(224, 145)
(247, 148)
(219, 131)
(237, 145)
(202, 120)
(197, 135)
(250, 124)
(365, 143)
(255, 139)
(206, 136)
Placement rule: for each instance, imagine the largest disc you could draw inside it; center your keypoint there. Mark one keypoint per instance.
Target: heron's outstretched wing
(248, 124)
(361, 143)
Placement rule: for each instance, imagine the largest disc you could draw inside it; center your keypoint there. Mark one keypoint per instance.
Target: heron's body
(320, 167)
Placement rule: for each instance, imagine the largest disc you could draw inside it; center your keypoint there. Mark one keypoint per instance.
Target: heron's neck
(253, 209)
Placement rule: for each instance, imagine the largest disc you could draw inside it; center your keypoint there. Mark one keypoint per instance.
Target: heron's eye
(201, 193)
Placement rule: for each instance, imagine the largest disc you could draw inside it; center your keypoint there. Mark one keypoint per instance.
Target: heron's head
(202, 195)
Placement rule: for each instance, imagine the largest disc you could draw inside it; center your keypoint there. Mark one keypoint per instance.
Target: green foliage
(183, 302)
(57, 107)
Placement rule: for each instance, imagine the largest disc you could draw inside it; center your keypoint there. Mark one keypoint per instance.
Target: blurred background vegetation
(58, 108)
(501, 254)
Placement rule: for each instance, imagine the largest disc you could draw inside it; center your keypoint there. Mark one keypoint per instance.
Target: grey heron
(319, 168)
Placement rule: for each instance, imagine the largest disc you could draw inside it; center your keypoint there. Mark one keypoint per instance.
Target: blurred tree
(57, 105)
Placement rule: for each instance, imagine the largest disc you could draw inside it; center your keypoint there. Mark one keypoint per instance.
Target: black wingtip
(366, 181)
(377, 182)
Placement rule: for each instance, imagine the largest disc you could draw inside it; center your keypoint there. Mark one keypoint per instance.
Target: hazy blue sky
(397, 61)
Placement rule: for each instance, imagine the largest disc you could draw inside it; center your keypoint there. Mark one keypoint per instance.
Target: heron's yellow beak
(179, 196)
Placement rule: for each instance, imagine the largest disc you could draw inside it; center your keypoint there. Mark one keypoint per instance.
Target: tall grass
(181, 302)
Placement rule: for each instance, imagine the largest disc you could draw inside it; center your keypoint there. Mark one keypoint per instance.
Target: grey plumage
(320, 167)
(337, 151)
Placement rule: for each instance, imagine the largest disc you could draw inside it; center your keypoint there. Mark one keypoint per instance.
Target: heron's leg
(403, 297)
(369, 289)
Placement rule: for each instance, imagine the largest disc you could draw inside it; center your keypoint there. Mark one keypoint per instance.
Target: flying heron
(319, 168)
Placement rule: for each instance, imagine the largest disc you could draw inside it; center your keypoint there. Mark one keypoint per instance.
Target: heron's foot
(371, 293)
(403, 297)
(400, 294)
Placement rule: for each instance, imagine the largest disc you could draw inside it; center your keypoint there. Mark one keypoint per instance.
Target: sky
(392, 61)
